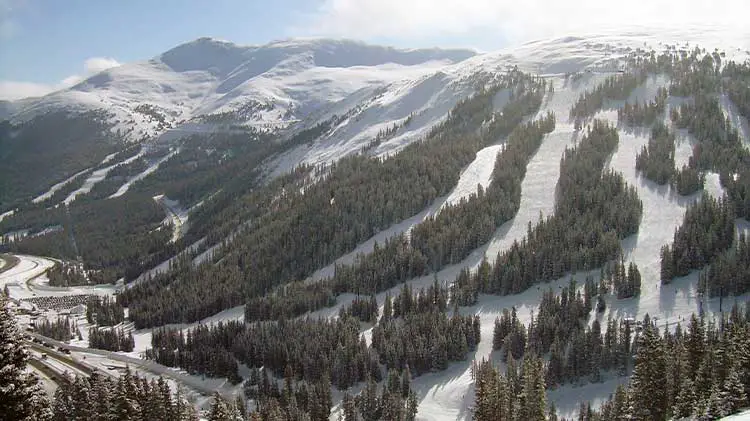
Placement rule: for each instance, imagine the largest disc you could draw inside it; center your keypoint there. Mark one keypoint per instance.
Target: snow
(304, 87)
(6, 214)
(448, 395)
(28, 279)
(742, 416)
(46, 195)
(143, 174)
(734, 116)
(176, 215)
(294, 78)
(98, 176)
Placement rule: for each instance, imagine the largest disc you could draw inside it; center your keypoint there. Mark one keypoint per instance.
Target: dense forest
(594, 210)
(111, 339)
(700, 370)
(65, 143)
(656, 160)
(414, 331)
(729, 274)
(358, 197)
(64, 274)
(104, 311)
(643, 114)
(60, 329)
(707, 230)
(614, 88)
(577, 352)
(119, 237)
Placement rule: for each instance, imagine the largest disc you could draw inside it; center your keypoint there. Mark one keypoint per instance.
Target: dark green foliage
(688, 180)
(310, 348)
(386, 266)
(66, 144)
(577, 352)
(699, 372)
(64, 274)
(656, 161)
(694, 75)
(358, 197)
(111, 339)
(291, 300)
(128, 397)
(419, 334)
(395, 402)
(104, 311)
(194, 352)
(294, 401)
(720, 147)
(729, 274)
(60, 329)
(625, 281)
(458, 229)
(21, 396)
(737, 186)
(593, 211)
(509, 335)
(365, 309)
(644, 114)
(115, 238)
(736, 78)
(614, 88)
(707, 231)
(519, 395)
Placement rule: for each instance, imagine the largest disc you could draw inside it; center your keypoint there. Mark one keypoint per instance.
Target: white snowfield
(269, 86)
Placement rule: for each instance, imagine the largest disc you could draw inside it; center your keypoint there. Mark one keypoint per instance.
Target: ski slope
(46, 195)
(98, 176)
(143, 174)
(378, 97)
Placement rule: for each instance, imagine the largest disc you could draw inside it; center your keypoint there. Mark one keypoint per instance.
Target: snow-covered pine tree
(648, 384)
(21, 395)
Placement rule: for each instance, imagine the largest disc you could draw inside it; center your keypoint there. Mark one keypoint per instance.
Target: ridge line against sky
(47, 45)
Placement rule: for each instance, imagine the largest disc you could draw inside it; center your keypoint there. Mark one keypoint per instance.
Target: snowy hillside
(376, 100)
(267, 86)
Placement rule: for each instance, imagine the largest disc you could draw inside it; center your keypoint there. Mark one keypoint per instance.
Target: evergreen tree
(21, 395)
(648, 390)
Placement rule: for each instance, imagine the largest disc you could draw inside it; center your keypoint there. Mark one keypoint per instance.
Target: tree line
(356, 198)
(111, 339)
(707, 230)
(594, 210)
(104, 311)
(700, 371)
(656, 160)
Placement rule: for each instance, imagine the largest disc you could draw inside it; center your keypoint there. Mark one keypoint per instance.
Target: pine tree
(733, 391)
(648, 383)
(21, 395)
(220, 410)
(683, 405)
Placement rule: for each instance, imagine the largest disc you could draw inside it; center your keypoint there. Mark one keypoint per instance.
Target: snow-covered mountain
(269, 86)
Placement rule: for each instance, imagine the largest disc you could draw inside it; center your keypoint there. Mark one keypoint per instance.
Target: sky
(47, 45)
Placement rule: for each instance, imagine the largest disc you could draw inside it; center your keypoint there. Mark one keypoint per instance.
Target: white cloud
(10, 90)
(13, 90)
(98, 64)
(513, 20)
